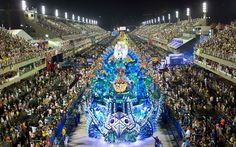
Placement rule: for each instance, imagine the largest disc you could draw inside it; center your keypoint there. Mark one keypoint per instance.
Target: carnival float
(124, 102)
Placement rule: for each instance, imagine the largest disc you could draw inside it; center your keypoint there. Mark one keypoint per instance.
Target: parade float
(124, 102)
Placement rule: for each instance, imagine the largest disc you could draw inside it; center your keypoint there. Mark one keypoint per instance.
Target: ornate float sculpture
(124, 103)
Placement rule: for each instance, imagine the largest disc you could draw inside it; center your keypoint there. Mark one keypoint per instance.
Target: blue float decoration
(124, 103)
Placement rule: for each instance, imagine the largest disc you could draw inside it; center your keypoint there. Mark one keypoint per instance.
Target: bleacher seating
(222, 44)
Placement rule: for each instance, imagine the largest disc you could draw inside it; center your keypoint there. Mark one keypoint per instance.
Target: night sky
(111, 13)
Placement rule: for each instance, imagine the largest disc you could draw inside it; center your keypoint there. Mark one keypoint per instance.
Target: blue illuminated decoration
(124, 103)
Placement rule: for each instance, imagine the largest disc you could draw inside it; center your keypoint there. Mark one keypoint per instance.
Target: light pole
(43, 10)
(83, 19)
(23, 5)
(56, 13)
(169, 17)
(66, 16)
(204, 9)
(73, 17)
(188, 14)
(177, 16)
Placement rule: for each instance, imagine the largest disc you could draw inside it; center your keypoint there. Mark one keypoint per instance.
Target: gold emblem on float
(120, 85)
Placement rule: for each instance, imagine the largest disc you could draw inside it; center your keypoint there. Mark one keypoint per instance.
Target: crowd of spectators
(88, 29)
(66, 28)
(167, 31)
(176, 30)
(30, 109)
(5, 77)
(58, 27)
(221, 44)
(15, 49)
(33, 106)
(203, 104)
(216, 66)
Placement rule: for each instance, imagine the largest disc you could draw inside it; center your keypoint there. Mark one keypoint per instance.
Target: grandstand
(170, 36)
(69, 38)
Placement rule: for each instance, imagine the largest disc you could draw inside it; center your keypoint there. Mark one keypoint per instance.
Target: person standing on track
(157, 142)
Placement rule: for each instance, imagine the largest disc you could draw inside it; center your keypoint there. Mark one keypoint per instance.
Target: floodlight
(23, 5)
(66, 16)
(177, 14)
(43, 10)
(188, 12)
(56, 13)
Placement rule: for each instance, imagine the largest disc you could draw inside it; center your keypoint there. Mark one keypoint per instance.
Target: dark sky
(112, 13)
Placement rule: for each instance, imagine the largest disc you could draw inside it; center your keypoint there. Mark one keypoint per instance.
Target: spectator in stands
(222, 44)
(203, 94)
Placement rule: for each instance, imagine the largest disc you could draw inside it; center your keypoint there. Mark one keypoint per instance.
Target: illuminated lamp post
(177, 15)
(56, 13)
(66, 15)
(169, 17)
(73, 17)
(43, 10)
(23, 5)
(188, 14)
(204, 10)
(83, 19)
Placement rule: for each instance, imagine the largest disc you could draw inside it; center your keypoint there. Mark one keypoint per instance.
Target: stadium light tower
(66, 16)
(73, 17)
(43, 10)
(169, 17)
(188, 14)
(155, 20)
(177, 15)
(56, 13)
(163, 18)
(204, 9)
(23, 5)
(83, 19)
